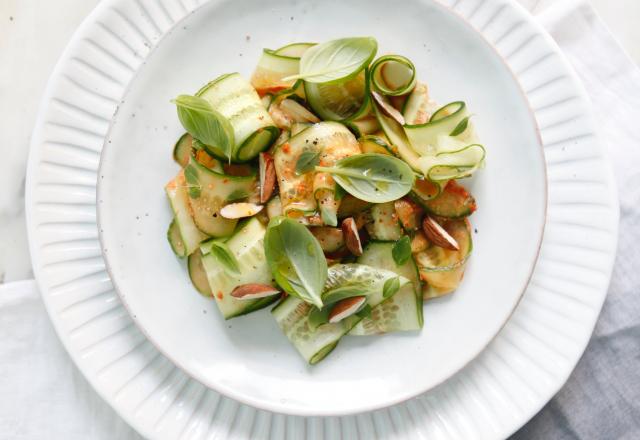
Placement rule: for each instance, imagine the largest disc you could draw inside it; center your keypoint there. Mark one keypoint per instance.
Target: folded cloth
(601, 400)
(42, 393)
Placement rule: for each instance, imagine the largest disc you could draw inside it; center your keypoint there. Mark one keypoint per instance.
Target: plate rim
(297, 410)
(34, 153)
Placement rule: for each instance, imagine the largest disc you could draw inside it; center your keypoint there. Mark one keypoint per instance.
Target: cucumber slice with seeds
(198, 275)
(179, 199)
(401, 312)
(182, 150)
(247, 245)
(292, 314)
(213, 190)
(175, 239)
(385, 225)
(238, 101)
(453, 202)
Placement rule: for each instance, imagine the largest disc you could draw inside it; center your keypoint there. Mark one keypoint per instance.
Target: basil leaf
(345, 291)
(336, 60)
(401, 251)
(391, 286)
(205, 124)
(372, 177)
(236, 195)
(194, 187)
(307, 161)
(224, 256)
(317, 317)
(296, 259)
(340, 193)
(461, 127)
(364, 312)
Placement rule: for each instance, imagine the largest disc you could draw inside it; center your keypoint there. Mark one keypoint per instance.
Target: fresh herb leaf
(347, 290)
(461, 127)
(236, 195)
(336, 60)
(296, 259)
(401, 251)
(364, 312)
(205, 124)
(391, 286)
(307, 162)
(223, 255)
(329, 216)
(339, 193)
(317, 317)
(372, 177)
(194, 187)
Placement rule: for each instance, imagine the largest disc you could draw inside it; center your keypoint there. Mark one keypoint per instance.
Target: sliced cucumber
(350, 206)
(330, 239)
(442, 283)
(340, 101)
(247, 245)
(397, 137)
(198, 275)
(363, 126)
(453, 202)
(274, 207)
(182, 150)
(238, 101)
(297, 127)
(292, 314)
(175, 239)
(375, 144)
(393, 75)
(401, 312)
(271, 69)
(424, 138)
(418, 107)
(179, 199)
(212, 191)
(385, 224)
(298, 193)
(437, 259)
(294, 49)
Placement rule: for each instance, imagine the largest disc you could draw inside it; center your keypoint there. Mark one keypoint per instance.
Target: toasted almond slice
(351, 236)
(438, 235)
(254, 291)
(345, 308)
(297, 111)
(239, 210)
(387, 108)
(267, 177)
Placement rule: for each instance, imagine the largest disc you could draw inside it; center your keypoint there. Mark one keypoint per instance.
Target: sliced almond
(297, 111)
(345, 308)
(267, 177)
(438, 235)
(240, 210)
(351, 236)
(387, 108)
(254, 291)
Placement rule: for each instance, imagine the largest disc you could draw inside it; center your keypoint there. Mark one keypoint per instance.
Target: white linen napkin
(44, 396)
(42, 393)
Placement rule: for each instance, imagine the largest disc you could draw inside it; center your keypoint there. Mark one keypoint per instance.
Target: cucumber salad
(328, 184)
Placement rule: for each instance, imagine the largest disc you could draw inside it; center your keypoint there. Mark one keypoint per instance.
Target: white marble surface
(33, 33)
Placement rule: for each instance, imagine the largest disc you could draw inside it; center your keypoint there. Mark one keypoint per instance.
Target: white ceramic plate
(248, 358)
(497, 392)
